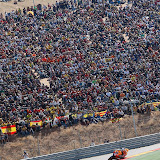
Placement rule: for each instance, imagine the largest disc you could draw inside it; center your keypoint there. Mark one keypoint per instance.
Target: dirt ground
(9, 6)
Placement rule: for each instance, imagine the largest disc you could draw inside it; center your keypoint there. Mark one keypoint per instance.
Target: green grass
(149, 156)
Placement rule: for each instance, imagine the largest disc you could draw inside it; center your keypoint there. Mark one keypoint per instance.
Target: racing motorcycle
(119, 154)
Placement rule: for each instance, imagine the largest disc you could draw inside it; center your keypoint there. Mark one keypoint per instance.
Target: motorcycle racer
(119, 154)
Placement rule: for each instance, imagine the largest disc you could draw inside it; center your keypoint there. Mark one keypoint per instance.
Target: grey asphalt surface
(130, 153)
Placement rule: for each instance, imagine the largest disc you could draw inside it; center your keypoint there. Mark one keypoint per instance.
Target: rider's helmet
(124, 151)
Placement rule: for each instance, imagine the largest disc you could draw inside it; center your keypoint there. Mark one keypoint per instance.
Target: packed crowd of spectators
(95, 55)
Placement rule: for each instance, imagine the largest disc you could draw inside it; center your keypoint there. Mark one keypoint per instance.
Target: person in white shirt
(25, 155)
(92, 143)
(121, 113)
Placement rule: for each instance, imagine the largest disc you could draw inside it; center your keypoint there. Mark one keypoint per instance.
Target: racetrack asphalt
(149, 155)
(136, 153)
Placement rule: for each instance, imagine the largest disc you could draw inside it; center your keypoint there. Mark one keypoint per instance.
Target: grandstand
(78, 64)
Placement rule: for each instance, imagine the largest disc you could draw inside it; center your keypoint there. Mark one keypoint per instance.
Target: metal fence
(103, 149)
(83, 137)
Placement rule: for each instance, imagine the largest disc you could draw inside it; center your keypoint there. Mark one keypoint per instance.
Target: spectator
(25, 155)
(37, 127)
(94, 58)
(120, 113)
(106, 141)
(92, 143)
(2, 138)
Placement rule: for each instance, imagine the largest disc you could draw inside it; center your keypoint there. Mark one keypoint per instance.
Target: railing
(98, 150)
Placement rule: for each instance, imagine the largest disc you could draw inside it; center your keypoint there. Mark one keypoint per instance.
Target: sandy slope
(45, 81)
(9, 6)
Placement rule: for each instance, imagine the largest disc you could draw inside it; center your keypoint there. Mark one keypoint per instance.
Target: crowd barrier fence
(107, 148)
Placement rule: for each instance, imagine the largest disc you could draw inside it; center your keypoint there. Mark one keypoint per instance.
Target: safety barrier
(107, 148)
